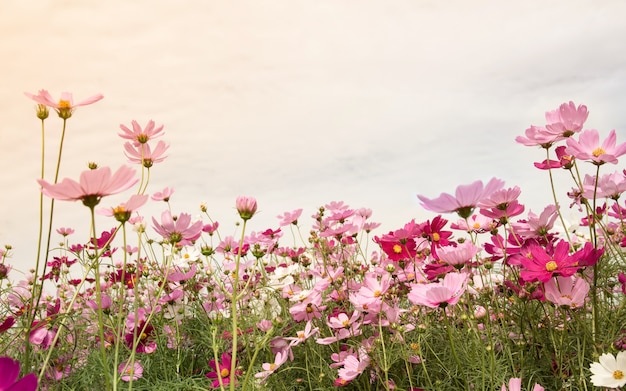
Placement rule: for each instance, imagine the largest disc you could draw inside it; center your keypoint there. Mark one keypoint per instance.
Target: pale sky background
(300, 103)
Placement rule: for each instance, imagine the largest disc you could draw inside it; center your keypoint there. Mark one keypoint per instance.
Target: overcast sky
(300, 103)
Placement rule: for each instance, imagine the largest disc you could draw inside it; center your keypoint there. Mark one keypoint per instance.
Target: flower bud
(246, 206)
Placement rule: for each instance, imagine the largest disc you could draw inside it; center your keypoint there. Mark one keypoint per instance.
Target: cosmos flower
(139, 135)
(465, 199)
(588, 147)
(92, 185)
(609, 371)
(9, 373)
(65, 105)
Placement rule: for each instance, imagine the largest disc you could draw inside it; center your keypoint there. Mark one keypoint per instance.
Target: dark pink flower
(543, 264)
(9, 373)
(92, 186)
(223, 368)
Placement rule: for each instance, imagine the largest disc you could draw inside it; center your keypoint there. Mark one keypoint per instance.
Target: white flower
(610, 371)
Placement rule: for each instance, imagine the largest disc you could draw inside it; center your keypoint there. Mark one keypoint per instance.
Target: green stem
(233, 310)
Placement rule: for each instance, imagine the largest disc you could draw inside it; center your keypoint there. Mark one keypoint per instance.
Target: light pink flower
(608, 186)
(515, 384)
(536, 226)
(92, 185)
(439, 294)
(353, 366)
(588, 147)
(65, 105)
(141, 136)
(144, 155)
(290, 217)
(269, 368)
(180, 231)
(566, 291)
(163, 195)
(458, 255)
(123, 211)
(567, 119)
(246, 206)
(466, 198)
(128, 371)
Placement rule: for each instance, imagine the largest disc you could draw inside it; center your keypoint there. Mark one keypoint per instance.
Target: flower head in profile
(439, 294)
(92, 185)
(143, 154)
(65, 106)
(464, 200)
(588, 147)
(9, 373)
(139, 135)
(609, 371)
(246, 206)
(123, 211)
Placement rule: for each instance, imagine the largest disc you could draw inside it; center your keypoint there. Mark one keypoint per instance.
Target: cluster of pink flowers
(326, 292)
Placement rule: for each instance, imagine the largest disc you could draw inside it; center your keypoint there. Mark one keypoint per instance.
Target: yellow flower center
(397, 248)
(272, 366)
(64, 104)
(598, 151)
(224, 372)
(618, 375)
(436, 237)
(551, 266)
(119, 210)
(476, 225)
(377, 293)
(345, 323)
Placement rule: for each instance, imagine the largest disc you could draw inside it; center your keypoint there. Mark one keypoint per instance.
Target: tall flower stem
(36, 297)
(233, 309)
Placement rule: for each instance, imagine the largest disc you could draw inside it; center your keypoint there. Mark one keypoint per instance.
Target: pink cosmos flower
(515, 384)
(439, 294)
(65, 106)
(180, 231)
(10, 371)
(269, 368)
(565, 161)
(65, 231)
(123, 211)
(566, 291)
(289, 218)
(144, 155)
(567, 119)
(543, 264)
(458, 255)
(537, 226)
(246, 206)
(92, 186)
(502, 204)
(139, 135)
(608, 186)
(588, 147)
(164, 195)
(537, 136)
(466, 198)
(353, 366)
(128, 371)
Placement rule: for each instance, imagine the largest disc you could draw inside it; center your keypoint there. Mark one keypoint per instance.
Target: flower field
(484, 295)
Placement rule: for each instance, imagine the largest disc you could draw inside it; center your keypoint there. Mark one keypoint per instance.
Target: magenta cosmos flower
(9, 372)
(465, 199)
(224, 371)
(92, 185)
(542, 265)
(65, 105)
(588, 147)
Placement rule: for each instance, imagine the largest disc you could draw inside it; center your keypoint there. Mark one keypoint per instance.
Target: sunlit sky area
(300, 103)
